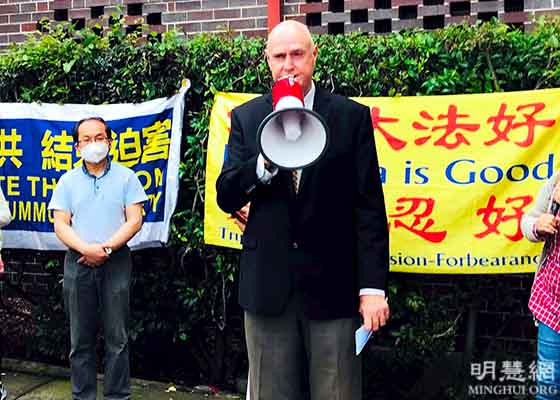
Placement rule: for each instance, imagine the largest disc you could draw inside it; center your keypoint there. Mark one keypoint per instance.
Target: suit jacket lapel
(321, 107)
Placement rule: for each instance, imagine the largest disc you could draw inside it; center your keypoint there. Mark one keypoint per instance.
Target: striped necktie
(296, 175)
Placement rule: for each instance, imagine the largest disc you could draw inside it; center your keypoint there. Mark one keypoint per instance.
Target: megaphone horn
(291, 137)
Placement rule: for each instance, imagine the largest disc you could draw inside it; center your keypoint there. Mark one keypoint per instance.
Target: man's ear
(314, 53)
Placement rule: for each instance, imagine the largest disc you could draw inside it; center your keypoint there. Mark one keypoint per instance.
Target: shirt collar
(107, 168)
(309, 98)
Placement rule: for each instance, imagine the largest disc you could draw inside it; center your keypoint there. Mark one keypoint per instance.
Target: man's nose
(288, 63)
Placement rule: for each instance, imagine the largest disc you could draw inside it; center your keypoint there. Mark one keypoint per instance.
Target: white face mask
(95, 152)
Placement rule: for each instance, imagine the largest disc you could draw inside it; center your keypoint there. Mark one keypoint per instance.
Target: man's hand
(240, 217)
(93, 255)
(374, 310)
(1, 267)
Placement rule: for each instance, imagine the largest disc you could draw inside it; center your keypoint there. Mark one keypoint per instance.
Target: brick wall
(249, 17)
(20, 17)
(382, 16)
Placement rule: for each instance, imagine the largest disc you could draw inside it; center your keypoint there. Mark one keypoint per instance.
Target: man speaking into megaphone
(315, 245)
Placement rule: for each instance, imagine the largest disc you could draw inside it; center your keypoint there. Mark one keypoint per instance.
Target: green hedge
(188, 303)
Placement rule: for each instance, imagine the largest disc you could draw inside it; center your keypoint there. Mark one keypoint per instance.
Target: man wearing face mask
(97, 210)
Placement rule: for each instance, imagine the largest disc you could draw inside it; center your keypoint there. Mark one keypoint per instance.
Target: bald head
(290, 51)
(290, 27)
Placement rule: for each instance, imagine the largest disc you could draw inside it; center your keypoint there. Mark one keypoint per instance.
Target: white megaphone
(291, 137)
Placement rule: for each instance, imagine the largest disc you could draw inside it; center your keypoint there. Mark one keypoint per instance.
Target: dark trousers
(282, 349)
(90, 293)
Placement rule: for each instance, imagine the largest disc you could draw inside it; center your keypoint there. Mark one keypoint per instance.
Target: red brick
(313, 7)
(19, 38)
(427, 11)
(132, 1)
(189, 27)
(9, 9)
(20, 18)
(29, 27)
(407, 24)
(199, 15)
(299, 18)
(168, 18)
(359, 4)
(154, 8)
(471, 19)
(28, 7)
(211, 4)
(396, 3)
(256, 33)
(171, 6)
(214, 26)
(158, 28)
(83, 13)
(227, 13)
(250, 12)
(187, 5)
(242, 3)
(39, 16)
(96, 3)
(485, 6)
(61, 4)
(242, 24)
(520, 16)
(9, 28)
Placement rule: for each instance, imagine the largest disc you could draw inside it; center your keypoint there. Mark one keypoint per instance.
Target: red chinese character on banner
(493, 216)
(420, 208)
(377, 120)
(451, 128)
(502, 133)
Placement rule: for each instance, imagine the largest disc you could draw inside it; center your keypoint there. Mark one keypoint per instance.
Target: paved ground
(33, 381)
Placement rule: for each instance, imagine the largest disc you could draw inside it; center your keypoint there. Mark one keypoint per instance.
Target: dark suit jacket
(326, 242)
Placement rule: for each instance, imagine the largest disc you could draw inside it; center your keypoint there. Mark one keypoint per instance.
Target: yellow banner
(458, 173)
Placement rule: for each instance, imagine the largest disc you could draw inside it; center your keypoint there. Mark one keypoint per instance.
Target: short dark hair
(75, 135)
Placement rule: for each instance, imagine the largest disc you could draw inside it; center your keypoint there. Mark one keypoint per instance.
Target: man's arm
(93, 254)
(238, 178)
(132, 225)
(371, 228)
